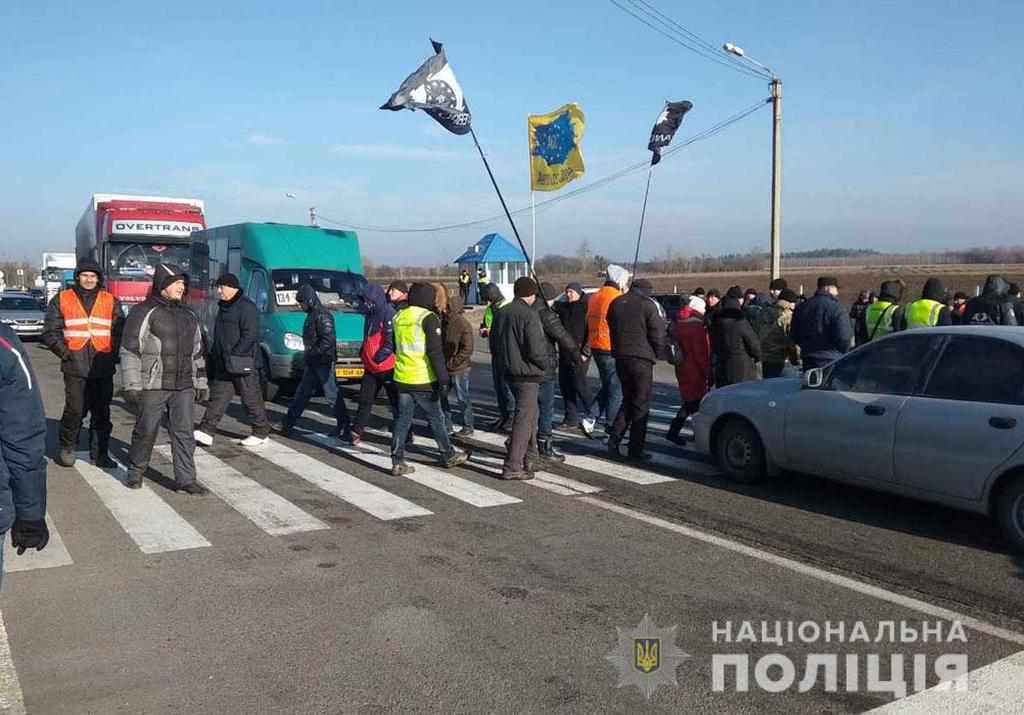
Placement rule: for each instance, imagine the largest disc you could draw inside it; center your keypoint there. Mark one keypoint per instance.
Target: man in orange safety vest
(83, 328)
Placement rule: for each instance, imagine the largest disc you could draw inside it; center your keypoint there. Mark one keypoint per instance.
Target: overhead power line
(676, 32)
(586, 188)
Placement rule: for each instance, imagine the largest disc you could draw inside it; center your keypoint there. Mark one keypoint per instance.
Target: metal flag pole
(643, 212)
(533, 217)
(519, 240)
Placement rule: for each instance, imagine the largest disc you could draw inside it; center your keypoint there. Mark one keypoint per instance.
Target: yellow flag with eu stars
(555, 154)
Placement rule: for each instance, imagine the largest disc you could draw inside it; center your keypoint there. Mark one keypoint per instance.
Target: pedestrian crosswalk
(360, 494)
(270, 512)
(55, 554)
(148, 520)
(442, 481)
(152, 520)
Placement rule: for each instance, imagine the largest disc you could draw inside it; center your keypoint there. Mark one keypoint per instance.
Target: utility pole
(776, 247)
(776, 99)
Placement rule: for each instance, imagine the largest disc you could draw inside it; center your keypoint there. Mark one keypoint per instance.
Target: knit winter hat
(167, 273)
(421, 295)
(697, 304)
(524, 287)
(574, 286)
(228, 279)
(87, 265)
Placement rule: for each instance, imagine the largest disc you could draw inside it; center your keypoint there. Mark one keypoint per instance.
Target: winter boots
(546, 448)
(676, 427)
(99, 445)
(66, 456)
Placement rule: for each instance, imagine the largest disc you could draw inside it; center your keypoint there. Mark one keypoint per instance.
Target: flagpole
(519, 240)
(533, 216)
(643, 212)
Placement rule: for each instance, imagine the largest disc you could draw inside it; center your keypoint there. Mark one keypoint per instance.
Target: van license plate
(348, 372)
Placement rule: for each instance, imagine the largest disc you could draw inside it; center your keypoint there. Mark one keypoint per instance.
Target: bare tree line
(674, 261)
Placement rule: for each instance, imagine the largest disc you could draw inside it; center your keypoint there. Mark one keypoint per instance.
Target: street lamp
(776, 85)
(312, 209)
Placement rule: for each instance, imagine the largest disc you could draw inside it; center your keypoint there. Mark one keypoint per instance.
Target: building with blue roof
(500, 260)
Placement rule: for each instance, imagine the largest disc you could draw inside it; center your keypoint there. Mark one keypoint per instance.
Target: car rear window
(979, 370)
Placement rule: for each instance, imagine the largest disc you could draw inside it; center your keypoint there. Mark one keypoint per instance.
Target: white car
(936, 414)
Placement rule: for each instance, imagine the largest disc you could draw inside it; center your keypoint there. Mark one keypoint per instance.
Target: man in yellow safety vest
(420, 376)
(884, 315)
(930, 310)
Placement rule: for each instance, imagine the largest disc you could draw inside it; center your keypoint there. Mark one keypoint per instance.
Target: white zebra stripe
(459, 488)
(362, 495)
(54, 555)
(147, 519)
(269, 511)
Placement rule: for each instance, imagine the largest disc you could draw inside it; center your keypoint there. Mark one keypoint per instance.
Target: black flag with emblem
(434, 89)
(665, 128)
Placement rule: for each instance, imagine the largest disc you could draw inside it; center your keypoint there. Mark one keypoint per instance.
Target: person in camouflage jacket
(777, 344)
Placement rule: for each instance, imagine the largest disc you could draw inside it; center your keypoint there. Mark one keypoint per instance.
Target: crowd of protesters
(418, 348)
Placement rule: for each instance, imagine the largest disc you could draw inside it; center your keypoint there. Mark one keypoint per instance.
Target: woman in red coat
(693, 373)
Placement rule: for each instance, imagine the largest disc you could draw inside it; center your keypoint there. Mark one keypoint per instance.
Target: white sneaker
(202, 438)
(253, 441)
(587, 425)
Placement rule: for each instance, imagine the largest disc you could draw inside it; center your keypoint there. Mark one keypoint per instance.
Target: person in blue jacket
(22, 450)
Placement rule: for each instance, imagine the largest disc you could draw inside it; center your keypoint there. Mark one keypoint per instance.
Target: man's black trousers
(636, 376)
(223, 389)
(84, 396)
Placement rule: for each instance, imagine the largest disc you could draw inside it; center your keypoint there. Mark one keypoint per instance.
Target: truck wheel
(1010, 513)
(739, 452)
(270, 389)
(274, 389)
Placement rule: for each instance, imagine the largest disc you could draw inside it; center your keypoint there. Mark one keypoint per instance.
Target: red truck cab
(130, 235)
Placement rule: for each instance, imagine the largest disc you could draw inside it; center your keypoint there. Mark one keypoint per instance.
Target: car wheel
(1010, 513)
(739, 452)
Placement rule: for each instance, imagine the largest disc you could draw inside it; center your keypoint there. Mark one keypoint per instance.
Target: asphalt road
(311, 581)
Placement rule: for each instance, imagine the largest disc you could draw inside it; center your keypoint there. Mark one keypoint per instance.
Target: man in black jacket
(560, 343)
(993, 307)
(638, 331)
(821, 327)
(231, 364)
(164, 374)
(83, 328)
(22, 450)
(320, 353)
(572, 376)
(517, 339)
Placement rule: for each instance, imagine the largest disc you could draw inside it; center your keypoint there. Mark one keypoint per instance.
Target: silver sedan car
(22, 314)
(936, 414)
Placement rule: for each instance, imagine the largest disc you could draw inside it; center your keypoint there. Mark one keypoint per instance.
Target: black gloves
(26, 534)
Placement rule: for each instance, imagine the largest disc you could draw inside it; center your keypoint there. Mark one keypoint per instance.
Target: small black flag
(434, 89)
(665, 128)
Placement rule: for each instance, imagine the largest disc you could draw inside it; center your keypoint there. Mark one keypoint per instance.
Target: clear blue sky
(901, 127)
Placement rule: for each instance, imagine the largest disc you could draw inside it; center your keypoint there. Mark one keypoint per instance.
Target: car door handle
(1002, 422)
(874, 410)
